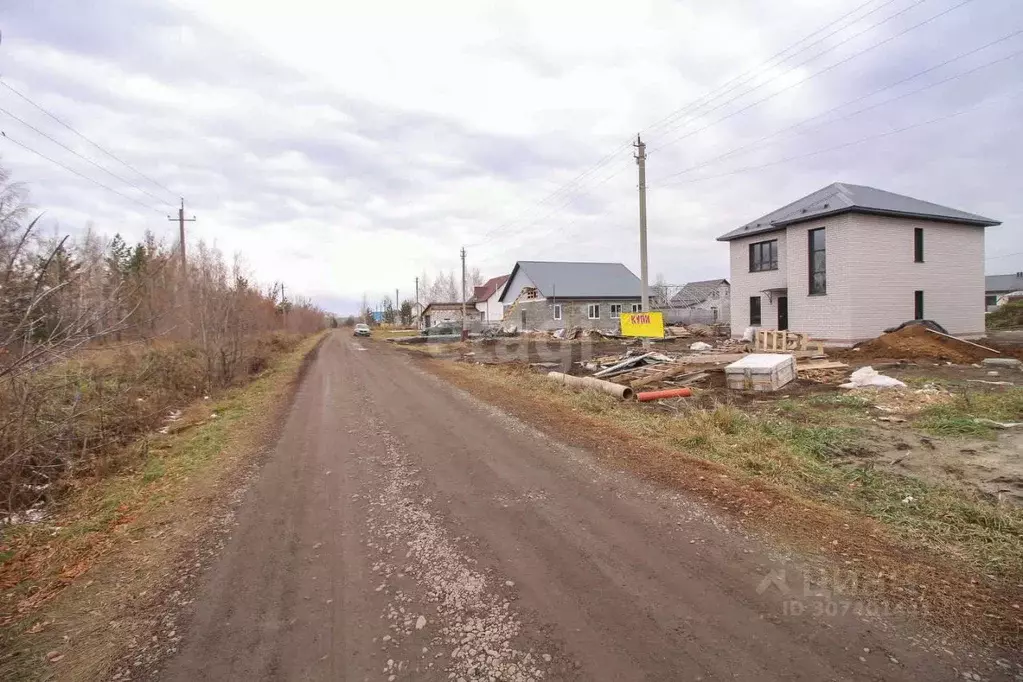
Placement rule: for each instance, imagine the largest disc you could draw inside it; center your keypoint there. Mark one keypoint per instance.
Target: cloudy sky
(345, 147)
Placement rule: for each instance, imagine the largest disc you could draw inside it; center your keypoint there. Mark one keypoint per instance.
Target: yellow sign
(650, 325)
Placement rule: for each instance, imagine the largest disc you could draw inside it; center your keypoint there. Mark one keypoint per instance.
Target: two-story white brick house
(846, 262)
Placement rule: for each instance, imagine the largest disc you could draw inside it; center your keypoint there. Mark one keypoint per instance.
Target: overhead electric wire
(567, 186)
(711, 161)
(81, 175)
(840, 146)
(85, 158)
(813, 75)
(94, 144)
(754, 72)
(714, 94)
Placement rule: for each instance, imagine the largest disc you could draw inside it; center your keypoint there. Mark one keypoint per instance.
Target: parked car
(361, 330)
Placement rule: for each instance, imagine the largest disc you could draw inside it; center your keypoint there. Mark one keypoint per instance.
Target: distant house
(448, 313)
(711, 296)
(487, 299)
(847, 261)
(1000, 285)
(554, 295)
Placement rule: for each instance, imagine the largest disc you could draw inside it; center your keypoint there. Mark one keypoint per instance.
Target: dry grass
(785, 475)
(76, 419)
(107, 552)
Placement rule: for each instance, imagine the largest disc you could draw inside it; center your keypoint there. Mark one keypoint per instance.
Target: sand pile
(916, 343)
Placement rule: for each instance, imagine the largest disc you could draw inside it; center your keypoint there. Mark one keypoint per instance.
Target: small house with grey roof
(848, 261)
(554, 295)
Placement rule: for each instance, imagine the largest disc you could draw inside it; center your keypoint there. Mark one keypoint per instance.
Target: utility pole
(181, 233)
(641, 162)
(465, 332)
(185, 303)
(419, 323)
(397, 306)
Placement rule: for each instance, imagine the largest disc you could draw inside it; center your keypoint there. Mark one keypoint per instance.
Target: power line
(72, 170)
(816, 73)
(607, 158)
(81, 156)
(576, 181)
(94, 144)
(840, 146)
(753, 73)
(963, 55)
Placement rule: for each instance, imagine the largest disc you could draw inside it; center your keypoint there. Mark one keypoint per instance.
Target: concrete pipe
(617, 390)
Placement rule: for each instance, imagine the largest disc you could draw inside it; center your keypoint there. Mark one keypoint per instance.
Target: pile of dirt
(917, 343)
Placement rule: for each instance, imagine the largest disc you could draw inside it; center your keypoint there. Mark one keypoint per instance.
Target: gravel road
(403, 531)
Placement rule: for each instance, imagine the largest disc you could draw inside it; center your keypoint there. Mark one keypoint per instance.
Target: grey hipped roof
(1013, 282)
(697, 292)
(841, 197)
(577, 280)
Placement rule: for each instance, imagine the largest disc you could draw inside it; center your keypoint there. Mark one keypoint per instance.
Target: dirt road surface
(403, 531)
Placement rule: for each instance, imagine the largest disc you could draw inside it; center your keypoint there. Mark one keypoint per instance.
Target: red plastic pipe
(669, 393)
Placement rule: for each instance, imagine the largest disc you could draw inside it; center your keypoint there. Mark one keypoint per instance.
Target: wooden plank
(680, 368)
(826, 364)
(971, 343)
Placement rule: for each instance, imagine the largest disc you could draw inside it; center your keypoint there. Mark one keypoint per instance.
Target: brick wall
(746, 283)
(540, 315)
(871, 278)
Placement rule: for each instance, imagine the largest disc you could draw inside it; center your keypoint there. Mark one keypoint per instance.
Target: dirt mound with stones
(917, 343)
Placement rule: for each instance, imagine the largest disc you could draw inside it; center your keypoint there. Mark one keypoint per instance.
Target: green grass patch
(805, 452)
(959, 417)
(840, 399)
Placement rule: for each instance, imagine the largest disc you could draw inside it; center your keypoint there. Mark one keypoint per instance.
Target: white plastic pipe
(617, 390)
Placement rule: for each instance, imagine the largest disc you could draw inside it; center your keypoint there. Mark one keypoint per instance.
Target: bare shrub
(97, 344)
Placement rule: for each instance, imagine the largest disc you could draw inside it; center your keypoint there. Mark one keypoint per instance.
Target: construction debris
(866, 377)
(1003, 362)
(700, 346)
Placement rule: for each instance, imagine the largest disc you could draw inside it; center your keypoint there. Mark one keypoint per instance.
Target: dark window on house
(522, 316)
(557, 311)
(763, 256)
(616, 310)
(918, 244)
(637, 307)
(754, 310)
(593, 311)
(918, 305)
(990, 300)
(818, 261)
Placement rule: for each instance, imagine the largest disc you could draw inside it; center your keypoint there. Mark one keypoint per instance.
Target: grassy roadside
(79, 588)
(956, 556)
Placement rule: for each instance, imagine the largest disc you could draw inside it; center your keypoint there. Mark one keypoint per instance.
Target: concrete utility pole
(185, 303)
(641, 162)
(181, 232)
(465, 332)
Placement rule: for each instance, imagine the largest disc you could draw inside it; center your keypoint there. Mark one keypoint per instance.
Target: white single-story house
(439, 313)
(848, 261)
(711, 297)
(558, 295)
(487, 299)
(996, 286)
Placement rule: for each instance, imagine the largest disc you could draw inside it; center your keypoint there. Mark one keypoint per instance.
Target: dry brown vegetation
(100, 338)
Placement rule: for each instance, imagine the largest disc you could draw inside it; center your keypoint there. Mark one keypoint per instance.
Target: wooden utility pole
(641, 162)
(465, 331)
